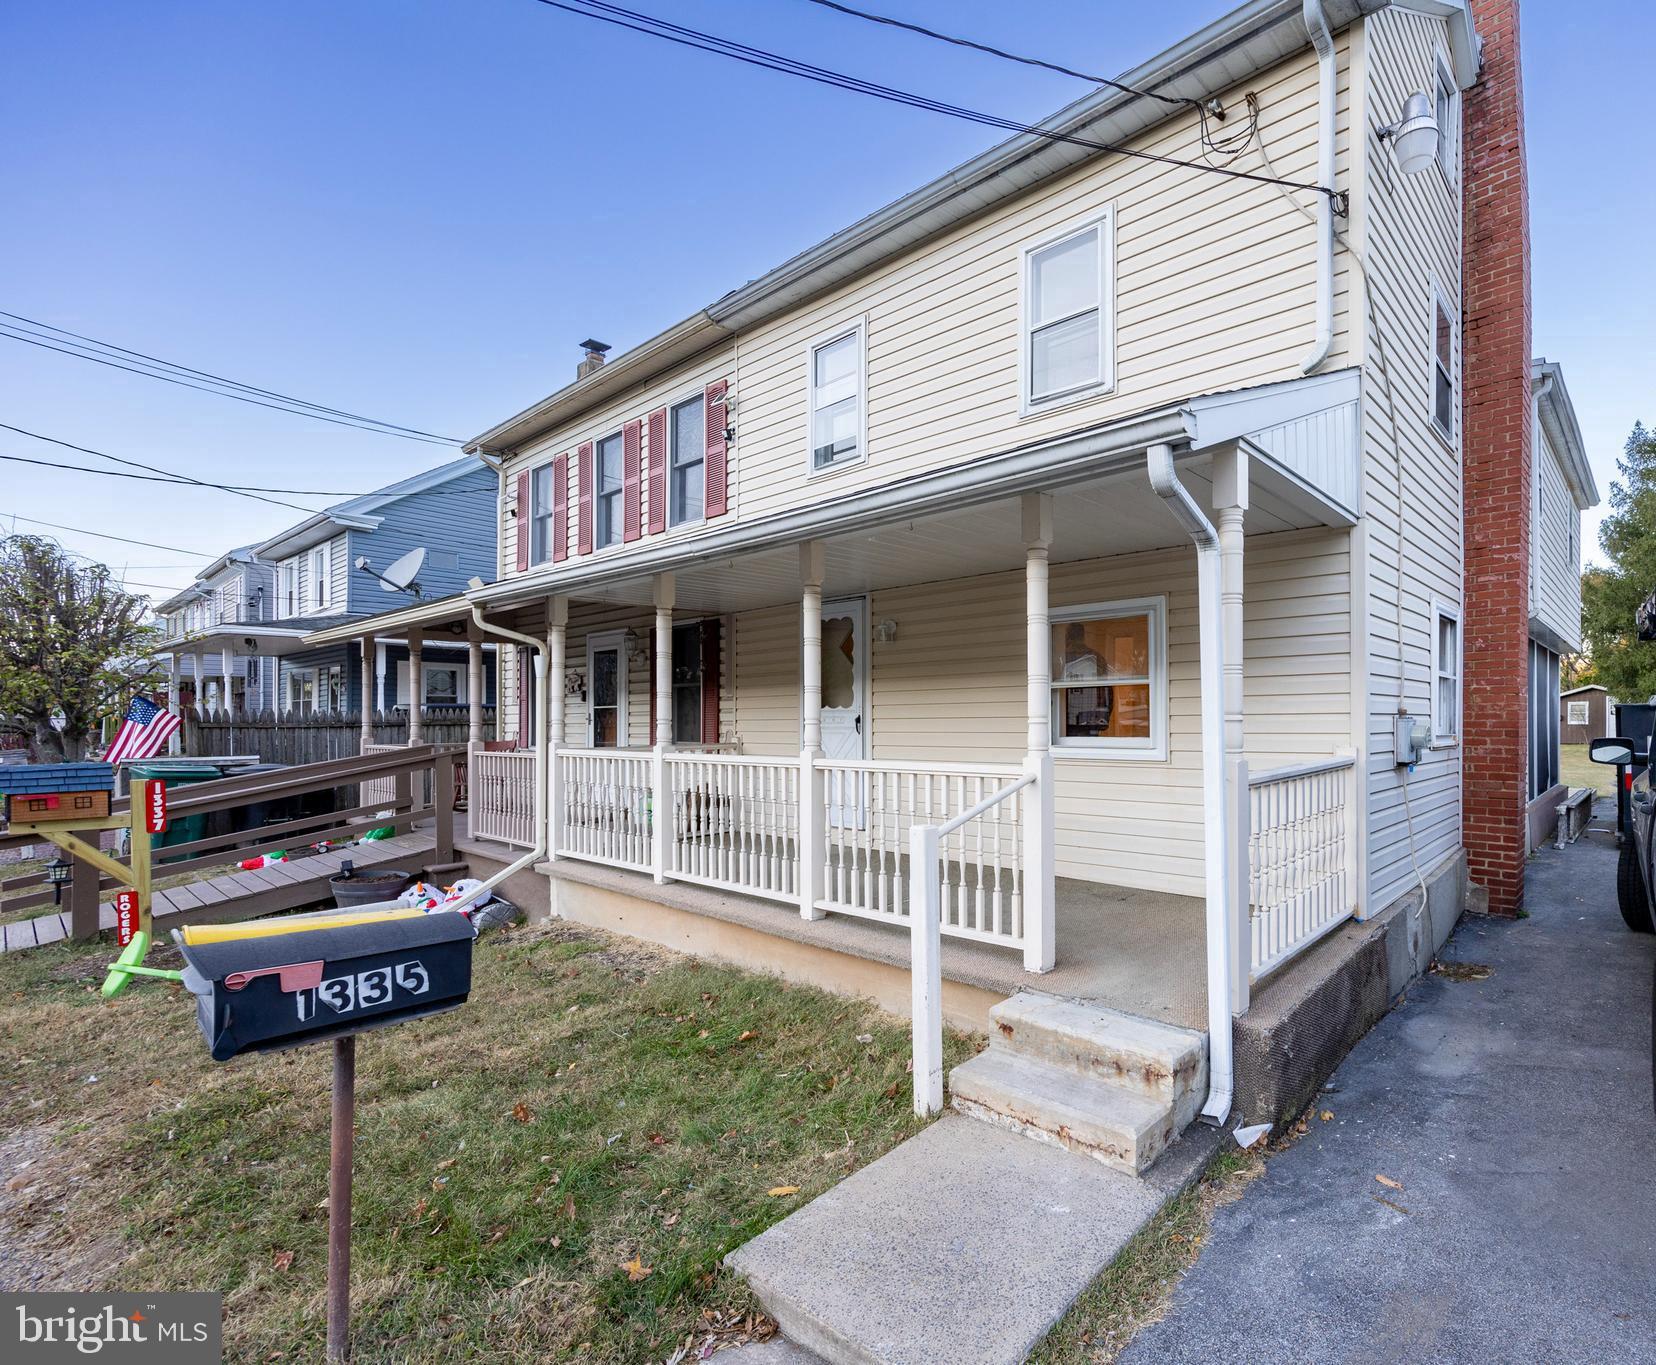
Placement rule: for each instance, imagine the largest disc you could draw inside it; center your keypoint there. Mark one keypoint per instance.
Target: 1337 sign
(155, 806)
(367, 990)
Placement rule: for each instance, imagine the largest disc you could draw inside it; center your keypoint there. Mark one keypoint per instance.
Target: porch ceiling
(1114, 515)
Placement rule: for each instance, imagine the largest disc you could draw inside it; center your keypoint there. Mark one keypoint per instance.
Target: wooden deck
(241, 895)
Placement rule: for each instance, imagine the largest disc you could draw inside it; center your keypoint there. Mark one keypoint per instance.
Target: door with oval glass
(845, 701)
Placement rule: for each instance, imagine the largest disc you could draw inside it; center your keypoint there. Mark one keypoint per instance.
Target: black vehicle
(1635, 815)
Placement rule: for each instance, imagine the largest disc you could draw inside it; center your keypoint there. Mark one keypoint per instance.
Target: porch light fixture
(885, 633)
(1414, 137)
(58, 872)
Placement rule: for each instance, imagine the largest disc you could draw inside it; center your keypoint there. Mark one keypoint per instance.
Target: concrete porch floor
(1141, 952)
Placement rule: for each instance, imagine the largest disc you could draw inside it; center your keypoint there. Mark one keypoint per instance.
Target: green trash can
(181, 829)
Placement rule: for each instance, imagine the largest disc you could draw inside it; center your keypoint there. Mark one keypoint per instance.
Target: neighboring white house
(1109, 504)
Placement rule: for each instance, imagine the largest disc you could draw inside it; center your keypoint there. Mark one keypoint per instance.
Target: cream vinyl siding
(1555, 573)
(1214, 289)
(1408, 227)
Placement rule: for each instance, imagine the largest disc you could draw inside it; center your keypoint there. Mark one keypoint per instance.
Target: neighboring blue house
(249, 645)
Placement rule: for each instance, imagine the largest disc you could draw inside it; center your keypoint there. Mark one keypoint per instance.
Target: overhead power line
(105, 535)
(156, 370)
(154, 478)
(789, 66)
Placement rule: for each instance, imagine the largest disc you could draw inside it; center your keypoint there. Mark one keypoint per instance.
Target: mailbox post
(267, 985)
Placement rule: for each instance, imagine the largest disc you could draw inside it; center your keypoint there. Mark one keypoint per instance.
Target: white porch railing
(501, 796)
(928, 908)
(602, 813)
(1301, 858)
(735, 822)
(873, 808)
(379, 789)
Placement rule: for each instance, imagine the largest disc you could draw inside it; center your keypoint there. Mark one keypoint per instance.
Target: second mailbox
(280, 983)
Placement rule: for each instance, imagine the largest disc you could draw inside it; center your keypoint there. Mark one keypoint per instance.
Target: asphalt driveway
(1514, 1115)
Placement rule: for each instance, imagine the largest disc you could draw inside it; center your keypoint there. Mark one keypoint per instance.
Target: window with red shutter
(583, 510)
(560, 508)
(656, 463)
(522, 521)
(632, 490)
(715, 473)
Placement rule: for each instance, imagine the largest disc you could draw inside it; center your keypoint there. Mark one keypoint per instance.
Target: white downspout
(1316, 25)
(1215, 828)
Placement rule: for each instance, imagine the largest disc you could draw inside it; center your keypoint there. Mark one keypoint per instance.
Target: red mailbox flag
(126, 916)
(155, 806)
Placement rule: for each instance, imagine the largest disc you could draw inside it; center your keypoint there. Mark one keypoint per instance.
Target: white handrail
(926, 947)
(1321, 765)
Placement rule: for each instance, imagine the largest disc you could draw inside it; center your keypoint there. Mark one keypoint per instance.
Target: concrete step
(1157, 1060)
(1062, 1106)
(962, 1245)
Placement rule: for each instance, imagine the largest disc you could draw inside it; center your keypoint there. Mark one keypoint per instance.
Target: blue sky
(415, 210)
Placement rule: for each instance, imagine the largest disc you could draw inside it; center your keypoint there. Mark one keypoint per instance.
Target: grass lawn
(1576, 770)
(552, 1172)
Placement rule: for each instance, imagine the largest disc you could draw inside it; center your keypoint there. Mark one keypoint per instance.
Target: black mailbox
(263, 985)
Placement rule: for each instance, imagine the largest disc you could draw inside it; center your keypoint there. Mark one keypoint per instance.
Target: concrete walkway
(1515, 1115)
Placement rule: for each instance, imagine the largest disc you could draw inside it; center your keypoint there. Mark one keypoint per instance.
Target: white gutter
(1215, 827)
(1322, 39)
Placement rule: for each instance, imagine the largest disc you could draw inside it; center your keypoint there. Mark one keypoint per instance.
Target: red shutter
(657, 464)
(560, 507)
(523, 527)
(525, 737)
(632, 521)
(652, 686)
(714, 471)
(710, 681)
(583, 511)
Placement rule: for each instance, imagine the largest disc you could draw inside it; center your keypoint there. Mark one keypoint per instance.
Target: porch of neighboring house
(1025, 672)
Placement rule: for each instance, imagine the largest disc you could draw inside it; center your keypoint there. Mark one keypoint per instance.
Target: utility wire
(789, 66)
(158, 478)
(105, 535)
(221, 379)
(81, 352)
(186, 478)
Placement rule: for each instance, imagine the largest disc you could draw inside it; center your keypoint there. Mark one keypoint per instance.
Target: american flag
(145, 730)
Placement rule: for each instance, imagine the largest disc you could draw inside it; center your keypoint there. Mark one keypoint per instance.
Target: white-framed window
(686, 468)
(836, 410)
(1446, 673)
(1109, 678)
(1443, 366)
(611, 474)
(1068, 325)
(607, 690)
(288, 591)
(319, 578)
(540, 514)
(445, 684)
(1577, 712)
(1446, 105)
(301, 689)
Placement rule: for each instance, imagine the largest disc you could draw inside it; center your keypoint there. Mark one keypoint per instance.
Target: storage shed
(1585, 713)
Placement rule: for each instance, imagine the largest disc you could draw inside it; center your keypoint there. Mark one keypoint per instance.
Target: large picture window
(1109, 678)
(1067, 351)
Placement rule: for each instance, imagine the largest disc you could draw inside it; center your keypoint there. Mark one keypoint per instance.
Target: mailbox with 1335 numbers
(280, 983)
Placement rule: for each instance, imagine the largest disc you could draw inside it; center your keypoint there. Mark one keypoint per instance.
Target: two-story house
(1099, 504)
(243, 626)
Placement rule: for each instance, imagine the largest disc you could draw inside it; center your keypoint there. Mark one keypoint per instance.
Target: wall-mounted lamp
(1414, 137)
(885, 633)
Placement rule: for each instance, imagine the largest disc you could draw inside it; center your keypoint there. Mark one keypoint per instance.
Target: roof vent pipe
(1316, 25)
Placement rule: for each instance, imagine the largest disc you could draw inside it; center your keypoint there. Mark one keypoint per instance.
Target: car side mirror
(1611, 749)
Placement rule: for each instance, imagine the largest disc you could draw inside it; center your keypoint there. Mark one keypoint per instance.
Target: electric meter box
(1413, 738)
(262, 986)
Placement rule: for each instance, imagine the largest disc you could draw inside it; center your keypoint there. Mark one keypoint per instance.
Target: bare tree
(74, 647)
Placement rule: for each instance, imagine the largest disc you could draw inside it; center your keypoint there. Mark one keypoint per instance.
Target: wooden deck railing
(402, 777)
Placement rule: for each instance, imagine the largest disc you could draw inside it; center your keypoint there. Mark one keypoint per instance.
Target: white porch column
(661, 805)
(173, 744)
(813, 804)
(1230, 504)
(474, 689)
(557, 650)
(1039, 842)
(416, 717)
(379, 676)
(366, 646)
(227, 663)
(199, 661)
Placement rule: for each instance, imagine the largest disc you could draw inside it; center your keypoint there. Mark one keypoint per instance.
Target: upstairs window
(1067, 351)
(689, 451)
(540, 515)
(289, 589)
(319, 578)
(610, 480)
(1446, 669)
(1443, 368)
(1446, 105)
(836, 405)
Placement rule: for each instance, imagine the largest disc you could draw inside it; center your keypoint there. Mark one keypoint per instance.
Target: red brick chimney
(1496, 453)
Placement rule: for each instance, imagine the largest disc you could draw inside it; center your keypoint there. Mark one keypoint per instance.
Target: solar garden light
(58, 873)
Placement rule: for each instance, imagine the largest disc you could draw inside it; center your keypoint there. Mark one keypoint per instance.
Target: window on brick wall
(1446, 674)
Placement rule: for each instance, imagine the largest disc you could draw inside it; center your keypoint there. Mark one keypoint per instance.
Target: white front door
(607, 690)
(845, 700)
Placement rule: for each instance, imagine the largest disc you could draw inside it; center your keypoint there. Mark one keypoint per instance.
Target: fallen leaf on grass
(636, 1270)
(569, 1206)
(670, 1221)
(865, 1037)
(1389, 1183)
(747, 1035)
(447, 1162)
(781, 1191)
(520, 1111)
(891, 1091)
(281, 1260)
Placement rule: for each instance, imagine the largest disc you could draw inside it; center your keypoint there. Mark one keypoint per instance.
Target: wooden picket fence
(315, 736)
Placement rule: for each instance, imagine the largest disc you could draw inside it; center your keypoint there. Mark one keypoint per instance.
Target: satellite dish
(399, 575)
